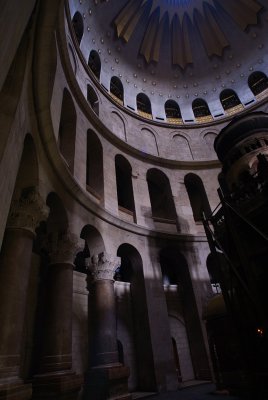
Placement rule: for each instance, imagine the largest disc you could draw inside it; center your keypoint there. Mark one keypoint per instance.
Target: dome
(186, 51)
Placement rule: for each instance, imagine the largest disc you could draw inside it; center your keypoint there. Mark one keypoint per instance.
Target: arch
(117, 89)
(94, 63)
(229, 99)
(94, 173)
(124, 186)
(182, 307)
(67, 129)
(200, 108)
(197, 196)
(258, 82)
(93, 240)
(119, 125)
(181, 148)
(78, 26)
(57, 221)
(172, 110)
(150, 143)
(141, 371)
(93, 100)
(162, 203)
(144, 106)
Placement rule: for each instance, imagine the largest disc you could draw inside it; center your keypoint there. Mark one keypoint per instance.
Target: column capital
(62, 247)
(27, 212)
(103, 266)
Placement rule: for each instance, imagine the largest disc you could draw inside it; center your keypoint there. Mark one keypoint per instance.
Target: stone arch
(150, 142)
(120, 126)
(93, 99)
(197, 196)
(124, 186)
(172, 261)
(182, 148)
(78, 26)
(172, 110)
(94, 173)
(258, 82)
(162, 202)
(94, 63)
(209, 138)
(141, 364)
(229, 99)
(93, 240)
(67, 129)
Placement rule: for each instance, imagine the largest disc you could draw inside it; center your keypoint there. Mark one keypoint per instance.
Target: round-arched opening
(200, 109)
(124, 187)
(78, 26)
(94, 63)
(144, 106)
(94, 173)
(258, 82)
(229, 99)
(197, 196)
(117, 90)
(172, 111)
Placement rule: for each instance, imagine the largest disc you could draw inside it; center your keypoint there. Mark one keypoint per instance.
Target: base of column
(107, 383)
(60, 386)
(15, 391)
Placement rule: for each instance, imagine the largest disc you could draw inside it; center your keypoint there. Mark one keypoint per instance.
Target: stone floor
(195, 392)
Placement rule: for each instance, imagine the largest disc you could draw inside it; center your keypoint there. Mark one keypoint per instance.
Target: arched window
(94, 165)
(229, 99)
(78, 26)
(197, 196)
(201, 110)
(93, 100)
(117, 90)
(124, 186)
(173, 112)
(160, 195)
(67, 129)
(258, 82)
(94, 63)
(144, 106)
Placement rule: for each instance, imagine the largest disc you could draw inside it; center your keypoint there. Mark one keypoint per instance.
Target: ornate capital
(103, 266)
(62, 247)
(27, 212)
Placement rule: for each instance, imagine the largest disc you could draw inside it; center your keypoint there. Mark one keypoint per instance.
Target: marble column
(107, 378)
(15, 262)
(56, 378)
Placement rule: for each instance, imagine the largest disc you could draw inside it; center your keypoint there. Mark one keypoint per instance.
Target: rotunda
(109, 112)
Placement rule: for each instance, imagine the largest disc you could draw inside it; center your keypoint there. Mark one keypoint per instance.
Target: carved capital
(62, 247)
(27, 212)
(103, 266)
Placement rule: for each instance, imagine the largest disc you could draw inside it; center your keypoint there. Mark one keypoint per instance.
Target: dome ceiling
(179, 17)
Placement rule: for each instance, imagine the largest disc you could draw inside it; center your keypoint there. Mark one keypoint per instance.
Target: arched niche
(94, 63)
(182, 304)
(93, 100)
(172, 111)
(78, 26)
(67, 129)
(117, 89)
(201, 109)
(181, 148)
(229, 99)
(258, 82)
(144, 106)
(149, 142)
(133, 329)
(197, 196)
(94, 173)
(162, 203)
(124, 186)
(209, 138)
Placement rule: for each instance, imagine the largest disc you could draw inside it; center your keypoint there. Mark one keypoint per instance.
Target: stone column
(56, 378)
(15, 263)
(107, 378)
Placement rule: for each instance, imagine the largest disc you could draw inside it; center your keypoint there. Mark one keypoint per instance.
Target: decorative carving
(62, 247)
(28, 211)
(103, 266)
